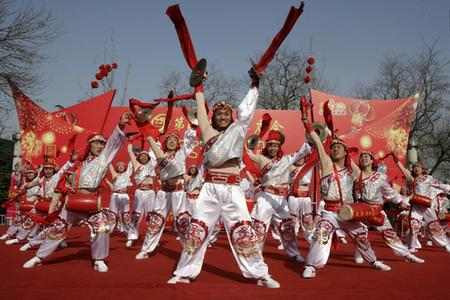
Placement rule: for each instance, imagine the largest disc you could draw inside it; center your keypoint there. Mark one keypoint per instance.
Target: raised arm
(246, 109)
(202, 116)
(404, 170)
(110, 185)
(356, 171)
(189, 141)
(112, 171)
(132, 156)
(156, 149)
(326, 165)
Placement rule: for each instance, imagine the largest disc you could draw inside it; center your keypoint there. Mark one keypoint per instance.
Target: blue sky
(349, 38)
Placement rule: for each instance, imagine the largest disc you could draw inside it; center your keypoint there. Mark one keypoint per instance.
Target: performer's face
(30, 176)
(48, 172)
(337, 152)
(172, 143)
(417, 170)
(143, 158)
(193, 171)
(272, 149)
(365, 160)
(222, 118)
(120, 168)
(97, 147)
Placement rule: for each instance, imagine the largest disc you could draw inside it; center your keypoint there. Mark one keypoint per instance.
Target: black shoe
(198, 73)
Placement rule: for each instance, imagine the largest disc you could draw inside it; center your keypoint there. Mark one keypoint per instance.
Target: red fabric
(187, 47)
(294, 14)
(250, 165)
(266, 120)
(275, 135)
(328, 116)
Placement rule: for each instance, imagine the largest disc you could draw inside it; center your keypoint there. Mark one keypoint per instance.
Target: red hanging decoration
(311, 60)
(108, 68)
(309, 69)
(114, 65)
(94, 84)
(307, 79)
(99, 76)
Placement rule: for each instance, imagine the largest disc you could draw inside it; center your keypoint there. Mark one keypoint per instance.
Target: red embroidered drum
(420, 200)
(359, 212)
(25, 206)
(43, 205)
(83, 203)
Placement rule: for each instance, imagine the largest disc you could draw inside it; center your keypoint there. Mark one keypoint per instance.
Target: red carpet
(68, 275)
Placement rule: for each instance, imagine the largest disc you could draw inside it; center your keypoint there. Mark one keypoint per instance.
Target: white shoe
(12, 242)
(25, 247)
(280, 247)
(358, 258)
(343, 240)
(412, 250)
(268, 282)
(35, 261)
(177, 279)
(142, 255)
(100, 266)
(4, 237)
(412, 258)
(63, 244)
(447, 248)
(381, 266)
(309, 272)
(178, 238)
(129, 243)
(429, 243)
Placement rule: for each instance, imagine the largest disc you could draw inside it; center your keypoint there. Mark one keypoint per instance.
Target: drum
(83, 203)
(359, 212)
(420, 200)
(25, 206)
(42, 206)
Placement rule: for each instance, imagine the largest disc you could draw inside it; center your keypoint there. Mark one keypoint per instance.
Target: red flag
(39, 128)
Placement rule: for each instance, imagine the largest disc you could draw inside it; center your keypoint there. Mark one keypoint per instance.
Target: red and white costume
(120, 200)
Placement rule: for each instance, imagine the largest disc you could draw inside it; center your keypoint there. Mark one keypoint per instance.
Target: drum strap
(338, 182)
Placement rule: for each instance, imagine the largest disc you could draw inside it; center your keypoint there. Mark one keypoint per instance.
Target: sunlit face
(48, 172)
(172, 143)
(222, 118)
(96, 147)
(365, 160)
(272, 149)
(337, 152)
(120, 167)
(30, 175)
(143, 158)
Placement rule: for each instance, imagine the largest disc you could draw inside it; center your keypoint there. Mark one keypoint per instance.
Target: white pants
(319, 251)
(143, 199)
(270, 208)
(428, 217)
(300, 209)
(101, 225)
(226, 201)
(120, 205)
(157, 216)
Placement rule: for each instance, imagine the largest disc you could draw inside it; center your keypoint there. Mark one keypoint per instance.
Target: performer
(171, 162)
(82, 201)
(299, 201)
(338, 173)
(47, 184)
(144, 164)
(424, 206)
(372, 187)
(120, 200)
(27, 195)
(271, 201)
(221, 195)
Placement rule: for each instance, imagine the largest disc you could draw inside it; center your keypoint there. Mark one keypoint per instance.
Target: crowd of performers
(212, 195)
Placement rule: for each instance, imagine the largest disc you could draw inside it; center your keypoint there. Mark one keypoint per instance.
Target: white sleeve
(246, 109)
(112, 146)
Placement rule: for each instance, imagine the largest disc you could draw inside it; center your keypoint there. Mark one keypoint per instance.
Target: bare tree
(282, 84)
(218, 87)
(425, 73)
(23, 34)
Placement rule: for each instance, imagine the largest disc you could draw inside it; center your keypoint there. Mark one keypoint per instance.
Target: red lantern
(104, 72)
(108, 68)
(307, 79)
(101, 67)
(94, 84)
(99, 76)
(309, 69)
(114, 65)
(311, 60)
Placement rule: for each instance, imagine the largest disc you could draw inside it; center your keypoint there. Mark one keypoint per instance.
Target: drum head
(346, 213)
